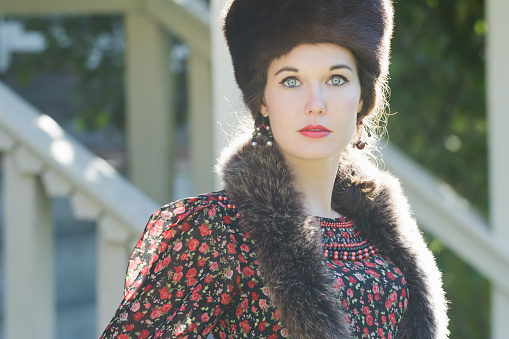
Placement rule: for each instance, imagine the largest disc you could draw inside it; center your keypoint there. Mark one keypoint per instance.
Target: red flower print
(156, 313)
(369, 320)
(389, 336)
(227, 220)
(158, 267)
(204, 230)
(376, 289)
(191, 273)
(384, 319)
(244, 304)
(186, 227)
(147, 288)
(144, 334)
(163, 293)
(261, 327)
(352, 280)
(202, 262)
(166, 308)
(365, 331)
(213, 266)
(349, 292)
(123, 336)
(225, 298)
(380, 331)
(138, 315)
(365, 309)
(273, 336)
(180, 294)
(262, 303)
(277, 315)
(231, 248)
(177, 276)
(166, 261)
(370, 297)
(135, 307)
(403, 293)
(217, 311)
(193, 243)
(204, 248)
(229, 274)
(388, 304)
(245, 326)
(191, 281)
(392, 318)
(247, 271)
(276, 328)
(167, 234)
(156, 228)
(195, 296)
(179, 210)
(178, 246)
(212, 212)
(205, 317)
(391, 276)
(147, 305)
(394, 297)
(238, 312)
(373, 273)
(244, 247)
(369, 264)
(208, 279)
(284, 332)
(129, 328)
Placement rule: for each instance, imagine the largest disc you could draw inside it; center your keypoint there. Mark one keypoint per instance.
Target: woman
(308, 239)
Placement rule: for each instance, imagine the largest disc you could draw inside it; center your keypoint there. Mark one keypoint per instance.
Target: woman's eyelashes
(293, 82)
(290, 82)
(337, 80)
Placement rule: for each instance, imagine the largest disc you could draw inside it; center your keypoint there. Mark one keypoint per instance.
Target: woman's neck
(315, 180)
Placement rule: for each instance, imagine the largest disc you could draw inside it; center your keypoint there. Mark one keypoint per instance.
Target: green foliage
(89, 48)
(438, 98)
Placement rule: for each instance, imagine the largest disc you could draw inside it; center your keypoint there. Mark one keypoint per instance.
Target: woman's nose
(315, 102)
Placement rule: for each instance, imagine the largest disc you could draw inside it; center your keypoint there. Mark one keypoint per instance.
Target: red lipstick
(314, 131)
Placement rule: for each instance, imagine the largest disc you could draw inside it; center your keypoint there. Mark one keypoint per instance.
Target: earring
(262, 129)
(360, 144)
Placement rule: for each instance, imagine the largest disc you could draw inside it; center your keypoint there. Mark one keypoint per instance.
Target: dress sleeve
(181, 275)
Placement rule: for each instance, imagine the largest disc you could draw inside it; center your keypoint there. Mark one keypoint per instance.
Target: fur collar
(287, 246)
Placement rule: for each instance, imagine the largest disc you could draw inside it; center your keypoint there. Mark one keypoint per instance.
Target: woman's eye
(337, 80)
(290, 82)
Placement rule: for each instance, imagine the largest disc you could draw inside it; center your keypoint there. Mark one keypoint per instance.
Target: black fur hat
(259, 31)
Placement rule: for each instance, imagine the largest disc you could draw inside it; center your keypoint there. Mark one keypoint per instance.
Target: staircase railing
(40, 162)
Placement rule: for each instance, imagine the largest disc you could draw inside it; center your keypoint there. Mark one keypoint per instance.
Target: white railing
(41, 162)
(451, 218)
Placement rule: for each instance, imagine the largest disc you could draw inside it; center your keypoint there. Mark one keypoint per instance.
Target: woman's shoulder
(213, 209)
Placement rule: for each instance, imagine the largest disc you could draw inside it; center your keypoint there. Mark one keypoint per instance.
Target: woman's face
(312, 98)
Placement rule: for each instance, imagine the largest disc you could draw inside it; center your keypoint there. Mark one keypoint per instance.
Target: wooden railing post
(201, 123)
(150, 107)
(30, 307)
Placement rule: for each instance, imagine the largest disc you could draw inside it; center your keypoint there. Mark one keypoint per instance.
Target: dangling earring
(360, 144)
(262, 129)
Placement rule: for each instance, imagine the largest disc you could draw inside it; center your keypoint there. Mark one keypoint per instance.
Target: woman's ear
(359, 106)
(263, 110)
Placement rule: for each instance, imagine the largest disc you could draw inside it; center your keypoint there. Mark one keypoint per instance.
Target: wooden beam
(182, 23)
(42, 7)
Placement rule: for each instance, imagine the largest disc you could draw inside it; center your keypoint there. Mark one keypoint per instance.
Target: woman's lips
(314, 131)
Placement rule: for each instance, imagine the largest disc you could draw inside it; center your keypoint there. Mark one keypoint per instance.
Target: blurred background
(92, 92)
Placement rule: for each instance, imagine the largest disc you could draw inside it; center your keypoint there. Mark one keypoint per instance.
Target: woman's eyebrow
(340, 67)
(289, 69)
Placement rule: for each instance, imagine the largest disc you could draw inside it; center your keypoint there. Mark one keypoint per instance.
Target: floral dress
(194, 273)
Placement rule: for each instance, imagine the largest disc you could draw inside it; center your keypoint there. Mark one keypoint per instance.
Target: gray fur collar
(287, 246)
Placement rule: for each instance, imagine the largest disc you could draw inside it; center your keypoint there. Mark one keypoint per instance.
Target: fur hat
(259, 31)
